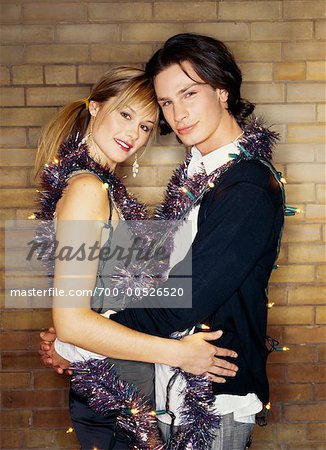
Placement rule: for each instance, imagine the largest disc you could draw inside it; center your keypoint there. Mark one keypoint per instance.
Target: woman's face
(119, 134)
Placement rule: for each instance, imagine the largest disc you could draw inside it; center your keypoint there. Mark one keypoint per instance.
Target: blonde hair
(128, 85)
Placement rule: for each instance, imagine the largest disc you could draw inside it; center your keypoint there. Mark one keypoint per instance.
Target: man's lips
(187, 129)
(125, 146)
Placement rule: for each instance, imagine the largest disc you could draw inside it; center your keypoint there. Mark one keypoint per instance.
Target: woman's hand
(201, 358)
(49, 356)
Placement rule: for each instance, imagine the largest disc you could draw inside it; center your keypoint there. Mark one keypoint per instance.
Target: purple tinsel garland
(105, 392)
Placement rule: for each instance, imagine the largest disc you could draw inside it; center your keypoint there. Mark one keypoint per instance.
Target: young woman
(78, 153)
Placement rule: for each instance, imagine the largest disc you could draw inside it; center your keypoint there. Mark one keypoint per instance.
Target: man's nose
(180, 113)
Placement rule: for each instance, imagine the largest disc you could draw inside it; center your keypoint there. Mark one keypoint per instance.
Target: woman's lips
(187, 129)
(123, 145)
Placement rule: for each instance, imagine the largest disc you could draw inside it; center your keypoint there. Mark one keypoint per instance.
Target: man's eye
(166, 103)
(125, 115)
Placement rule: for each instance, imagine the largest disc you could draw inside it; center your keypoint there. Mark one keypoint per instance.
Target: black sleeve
(227, 246)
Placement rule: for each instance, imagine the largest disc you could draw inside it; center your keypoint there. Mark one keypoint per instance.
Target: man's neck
(228, 131)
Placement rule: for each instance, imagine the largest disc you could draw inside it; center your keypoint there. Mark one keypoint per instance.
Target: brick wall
(50, 55)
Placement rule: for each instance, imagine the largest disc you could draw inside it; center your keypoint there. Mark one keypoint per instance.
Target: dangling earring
(135, 167)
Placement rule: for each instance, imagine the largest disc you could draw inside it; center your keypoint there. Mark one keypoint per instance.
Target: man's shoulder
(251, 171)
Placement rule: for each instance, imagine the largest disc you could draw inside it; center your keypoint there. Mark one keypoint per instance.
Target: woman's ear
(93, 108)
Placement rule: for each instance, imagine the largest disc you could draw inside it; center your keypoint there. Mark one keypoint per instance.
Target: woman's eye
(166, 103)
(145, 128)
(125, 115)
(190, 94)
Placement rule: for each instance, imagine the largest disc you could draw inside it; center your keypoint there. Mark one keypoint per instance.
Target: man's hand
(48, 354)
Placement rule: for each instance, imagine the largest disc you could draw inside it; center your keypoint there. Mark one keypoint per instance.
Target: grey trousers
(231, 435)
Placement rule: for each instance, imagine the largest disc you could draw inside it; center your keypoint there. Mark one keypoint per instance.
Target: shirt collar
(216, 158)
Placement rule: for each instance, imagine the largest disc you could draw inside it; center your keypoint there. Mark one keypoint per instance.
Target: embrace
(143, 377)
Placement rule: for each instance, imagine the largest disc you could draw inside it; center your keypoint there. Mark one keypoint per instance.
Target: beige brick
(222, 31)
(12, 54)
(299, 193)
(324, 233)
(17, 157)
(149, 195)
(314, 212)
(321, 153)
(321, 112)
(117, 53)
(10, 13)
(160, 156)
(320, 30)
(4, 75)
(26, 116)
(285, 113)
(131, 11)
(307, 253)
(59, 54)
(307, 295)
(252, 10)
(14, 198)
(277, 294)
(321, 192)
(44, 12)
(316, 70)
(305, 173)
(27, 74)
(145, 177)
(305, 92)
(60, 74)
(11, 137)
(91, 72)
(284, 315)
(177, 11)
(149, 32)
(25, 34)
(303, 9)
(281, 31)
(13, 178)
(301, 233)
(263, 92)
(303, 51)
(33, 135)
(88, 33)
(316, 431)
(294, 152)
(321, 314)
(289, 71)
(321, 273)
(293, 274)
(257, 71)
(51, 96)
(305, 334)
(254, 51)
(12, 96)
(306, 133)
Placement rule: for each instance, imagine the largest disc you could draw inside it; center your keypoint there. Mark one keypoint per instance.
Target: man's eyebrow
(181, 91)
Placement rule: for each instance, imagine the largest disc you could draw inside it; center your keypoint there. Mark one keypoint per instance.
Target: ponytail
(74, 117)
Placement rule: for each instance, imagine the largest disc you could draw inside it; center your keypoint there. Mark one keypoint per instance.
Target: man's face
(193, 109)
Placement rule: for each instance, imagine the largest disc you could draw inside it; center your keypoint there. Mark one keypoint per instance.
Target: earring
(135, 167)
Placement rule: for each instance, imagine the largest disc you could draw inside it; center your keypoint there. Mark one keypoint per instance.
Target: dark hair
(213, 63)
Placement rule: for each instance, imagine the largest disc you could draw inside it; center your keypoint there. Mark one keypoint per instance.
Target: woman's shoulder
(85, 197)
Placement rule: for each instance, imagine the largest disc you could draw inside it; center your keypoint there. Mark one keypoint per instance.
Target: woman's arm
(80, 213)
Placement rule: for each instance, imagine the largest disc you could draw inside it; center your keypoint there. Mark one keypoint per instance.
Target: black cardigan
(239, 227)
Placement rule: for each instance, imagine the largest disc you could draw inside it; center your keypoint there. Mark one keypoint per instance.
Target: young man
(197, 83)
(239, 223)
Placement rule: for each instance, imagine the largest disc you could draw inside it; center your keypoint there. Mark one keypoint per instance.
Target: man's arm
(226, 248)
